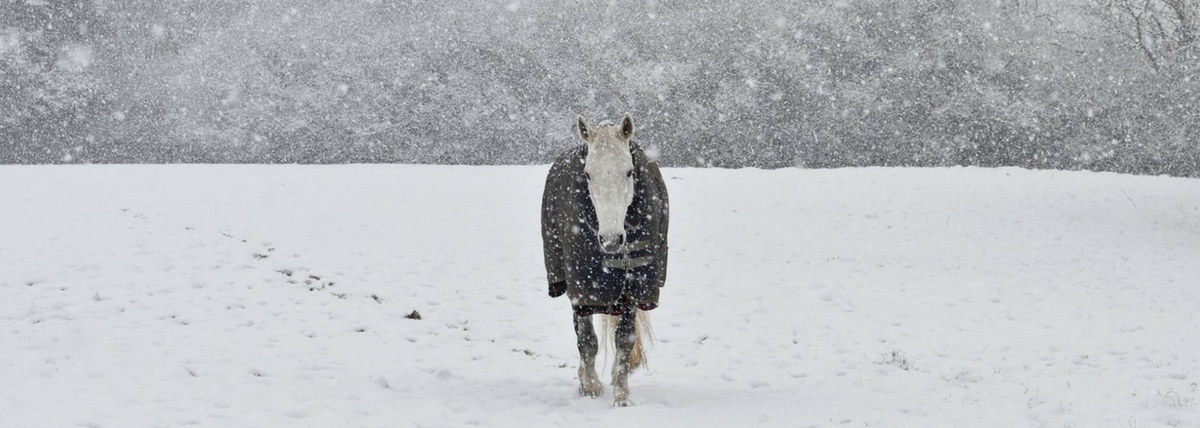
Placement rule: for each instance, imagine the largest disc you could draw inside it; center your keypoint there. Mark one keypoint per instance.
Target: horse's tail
(641, 328)
(642, 332)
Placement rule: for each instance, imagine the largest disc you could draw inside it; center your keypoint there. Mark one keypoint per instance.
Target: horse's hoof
(622, 402)
(593, 391)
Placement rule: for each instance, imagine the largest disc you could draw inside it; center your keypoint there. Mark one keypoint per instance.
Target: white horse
(604, 227)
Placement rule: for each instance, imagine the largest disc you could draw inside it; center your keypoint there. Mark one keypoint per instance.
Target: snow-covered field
(275, 296)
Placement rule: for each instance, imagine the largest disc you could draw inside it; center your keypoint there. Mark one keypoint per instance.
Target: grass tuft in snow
(1173, 399)
(895, 358)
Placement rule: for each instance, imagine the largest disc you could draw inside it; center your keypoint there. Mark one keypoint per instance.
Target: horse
(605, 216)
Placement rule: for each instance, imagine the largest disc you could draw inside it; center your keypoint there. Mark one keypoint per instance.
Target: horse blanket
(593, 278)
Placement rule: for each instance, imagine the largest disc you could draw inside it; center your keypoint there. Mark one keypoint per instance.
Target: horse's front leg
(625, 337)
(585, 337)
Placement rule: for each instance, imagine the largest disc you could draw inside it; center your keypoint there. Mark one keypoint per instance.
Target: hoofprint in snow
(275, 296)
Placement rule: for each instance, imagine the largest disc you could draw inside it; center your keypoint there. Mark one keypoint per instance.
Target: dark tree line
(1098, 84)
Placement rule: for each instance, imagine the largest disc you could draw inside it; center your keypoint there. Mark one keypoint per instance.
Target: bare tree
(1163, 30)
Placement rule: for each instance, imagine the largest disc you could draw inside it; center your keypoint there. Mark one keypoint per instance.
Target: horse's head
(610, 178)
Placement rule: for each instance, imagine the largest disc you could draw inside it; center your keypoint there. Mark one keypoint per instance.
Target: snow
(275, 296)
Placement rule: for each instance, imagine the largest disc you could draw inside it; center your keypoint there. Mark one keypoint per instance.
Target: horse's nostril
(611, 243)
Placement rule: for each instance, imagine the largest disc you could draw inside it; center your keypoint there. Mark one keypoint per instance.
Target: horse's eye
(629, 174)
(587, 176)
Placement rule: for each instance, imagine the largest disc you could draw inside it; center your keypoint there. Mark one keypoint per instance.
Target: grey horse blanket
(592, 278)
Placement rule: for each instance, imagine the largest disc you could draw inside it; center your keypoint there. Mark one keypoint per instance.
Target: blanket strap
(628, 263)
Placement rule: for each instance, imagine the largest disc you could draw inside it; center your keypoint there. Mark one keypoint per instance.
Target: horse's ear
(585, 131)
(627, 127)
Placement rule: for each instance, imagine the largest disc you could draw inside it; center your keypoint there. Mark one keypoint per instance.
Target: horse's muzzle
(612, 244)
